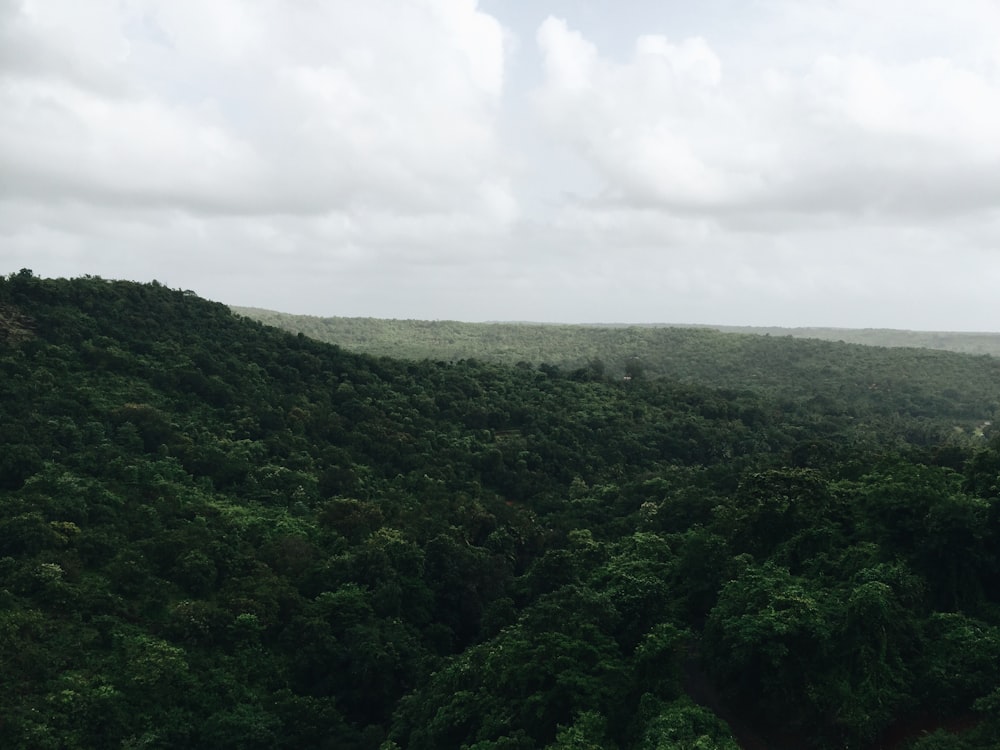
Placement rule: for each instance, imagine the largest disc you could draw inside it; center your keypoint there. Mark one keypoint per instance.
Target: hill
(949, 341)
(542, 342)
(215, 534)
(918, 381)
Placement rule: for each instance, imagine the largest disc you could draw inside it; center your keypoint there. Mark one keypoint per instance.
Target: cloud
(843, 132)
(786, 162)
(630, 121)
(234, 107)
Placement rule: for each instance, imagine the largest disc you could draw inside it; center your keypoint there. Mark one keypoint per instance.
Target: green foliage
(684, 726)
(215, 534)
(845, 379)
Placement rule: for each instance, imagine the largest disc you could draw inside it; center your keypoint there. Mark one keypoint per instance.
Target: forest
(578, 345)
(218, 534)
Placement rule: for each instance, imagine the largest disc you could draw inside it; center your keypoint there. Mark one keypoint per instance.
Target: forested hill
(949, 341)
(794, 362)
(215, 534)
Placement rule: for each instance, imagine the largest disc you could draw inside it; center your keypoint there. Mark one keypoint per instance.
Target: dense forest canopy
(217, 534)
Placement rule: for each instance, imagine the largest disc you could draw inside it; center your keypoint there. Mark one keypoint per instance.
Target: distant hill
(420, 339)
(786, 366)
(951, 341)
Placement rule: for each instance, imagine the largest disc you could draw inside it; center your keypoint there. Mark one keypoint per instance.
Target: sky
(741, 162)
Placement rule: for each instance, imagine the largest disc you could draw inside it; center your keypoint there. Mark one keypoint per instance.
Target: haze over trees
(216, 534)
(671, 350)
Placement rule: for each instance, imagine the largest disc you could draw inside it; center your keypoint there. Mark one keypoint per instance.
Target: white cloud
(953, 111)
(62, 141)
(630, 121)
(784, 162)
(249, 107)
(847, 133)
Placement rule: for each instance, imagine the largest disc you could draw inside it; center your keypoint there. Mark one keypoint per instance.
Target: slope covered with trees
(216, 534)
(916, 374)
(950, 341)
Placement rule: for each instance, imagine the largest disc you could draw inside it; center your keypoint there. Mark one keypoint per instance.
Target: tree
(768, 641)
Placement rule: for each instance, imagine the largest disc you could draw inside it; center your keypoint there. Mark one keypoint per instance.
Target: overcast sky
(768, 162)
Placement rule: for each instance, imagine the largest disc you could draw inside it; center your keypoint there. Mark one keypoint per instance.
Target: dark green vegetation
(214, 534)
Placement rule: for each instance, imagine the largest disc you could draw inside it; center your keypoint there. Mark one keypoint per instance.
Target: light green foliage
(588, 732)
(685, 726)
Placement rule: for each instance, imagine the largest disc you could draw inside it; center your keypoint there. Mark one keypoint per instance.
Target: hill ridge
(324, 328)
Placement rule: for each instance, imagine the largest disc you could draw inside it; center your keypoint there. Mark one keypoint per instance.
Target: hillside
(418, 339)
(215, 534)
(918, 381)
(949, 341)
